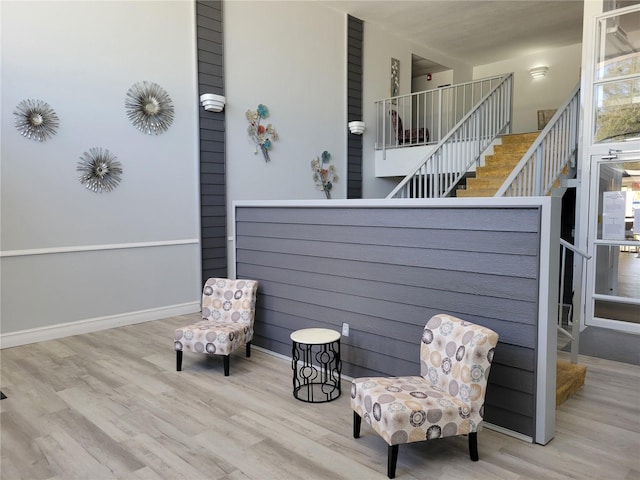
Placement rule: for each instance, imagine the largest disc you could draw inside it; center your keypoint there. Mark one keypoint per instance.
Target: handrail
(439, 172)
(574, 336)
(550, 153)
(574, 249)
(428, 114)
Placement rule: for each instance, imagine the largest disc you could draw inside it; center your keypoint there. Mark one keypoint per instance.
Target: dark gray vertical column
(354, 105)
(213, 201)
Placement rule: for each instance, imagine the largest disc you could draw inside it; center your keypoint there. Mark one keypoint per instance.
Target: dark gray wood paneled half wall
(355, 33)
(213, 201)
(386, 270)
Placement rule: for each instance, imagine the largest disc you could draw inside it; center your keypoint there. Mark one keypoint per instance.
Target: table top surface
(315, 336)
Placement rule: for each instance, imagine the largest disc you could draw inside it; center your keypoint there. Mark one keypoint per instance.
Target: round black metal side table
(316, 364)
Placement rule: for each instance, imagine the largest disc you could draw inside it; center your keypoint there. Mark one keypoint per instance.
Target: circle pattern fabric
(446, 400)
(228, 310)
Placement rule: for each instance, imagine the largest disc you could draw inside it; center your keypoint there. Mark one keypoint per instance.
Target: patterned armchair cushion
(228, 309)
(447, 400)
(214, 338)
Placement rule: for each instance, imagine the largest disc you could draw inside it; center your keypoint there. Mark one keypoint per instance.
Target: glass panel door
(613, 136)
(617, 239)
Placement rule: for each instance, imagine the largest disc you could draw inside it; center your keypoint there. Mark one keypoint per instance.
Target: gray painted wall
(386, 271)
(68, 254)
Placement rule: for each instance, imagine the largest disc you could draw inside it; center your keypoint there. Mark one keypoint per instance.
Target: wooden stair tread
(570, 378)
(499, 165)
(476, 192)
(500, 171)
(511, 148)
(520, 137)
(484, 182)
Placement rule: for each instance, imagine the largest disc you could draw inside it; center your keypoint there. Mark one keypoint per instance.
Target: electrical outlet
(345, 329)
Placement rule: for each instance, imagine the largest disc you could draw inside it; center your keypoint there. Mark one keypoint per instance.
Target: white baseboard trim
(33, 335)
(506, 431)
(272, 353)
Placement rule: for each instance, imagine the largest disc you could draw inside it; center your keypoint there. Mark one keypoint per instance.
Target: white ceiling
(476, 32)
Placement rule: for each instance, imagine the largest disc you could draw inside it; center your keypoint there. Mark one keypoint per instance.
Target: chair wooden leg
(226, 365)
(178, 360)
(248, 349)
(392, 460)
(357, 421)
(473, 446)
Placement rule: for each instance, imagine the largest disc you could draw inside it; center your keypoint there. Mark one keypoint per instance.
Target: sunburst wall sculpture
(99, 170)
(36, 120)
(149, 108)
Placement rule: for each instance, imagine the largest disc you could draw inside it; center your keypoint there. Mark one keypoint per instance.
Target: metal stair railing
(428, 114)
(439, 172)
(553, 150)
(574, 320)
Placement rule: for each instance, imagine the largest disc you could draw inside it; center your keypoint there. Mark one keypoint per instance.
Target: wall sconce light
(212, 102)
(538, 72)
(357, 128)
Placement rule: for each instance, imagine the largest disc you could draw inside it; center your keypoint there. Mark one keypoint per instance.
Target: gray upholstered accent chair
(447, 399)
(228, 311)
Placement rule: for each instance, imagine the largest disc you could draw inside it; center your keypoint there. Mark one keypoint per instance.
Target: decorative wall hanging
(324, 174)
(35, 119)
(99, 170)
(262, 136)
(395, 77)
(149, 108)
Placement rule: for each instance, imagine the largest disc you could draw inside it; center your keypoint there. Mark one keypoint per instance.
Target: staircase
(546, 159)
(498, 166)
(439, 173)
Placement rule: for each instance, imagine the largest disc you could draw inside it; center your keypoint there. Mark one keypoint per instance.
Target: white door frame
(588, 169)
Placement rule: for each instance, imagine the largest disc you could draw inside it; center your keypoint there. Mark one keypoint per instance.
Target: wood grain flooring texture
(110, 404)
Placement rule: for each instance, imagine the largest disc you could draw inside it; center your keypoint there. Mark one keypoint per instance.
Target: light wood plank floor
(111, 405)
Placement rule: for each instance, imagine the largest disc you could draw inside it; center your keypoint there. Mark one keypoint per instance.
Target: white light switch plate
(345, 329)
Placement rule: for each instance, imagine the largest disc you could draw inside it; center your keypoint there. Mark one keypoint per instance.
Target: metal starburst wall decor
(99, 170)
(149, 108)
(35, 119)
